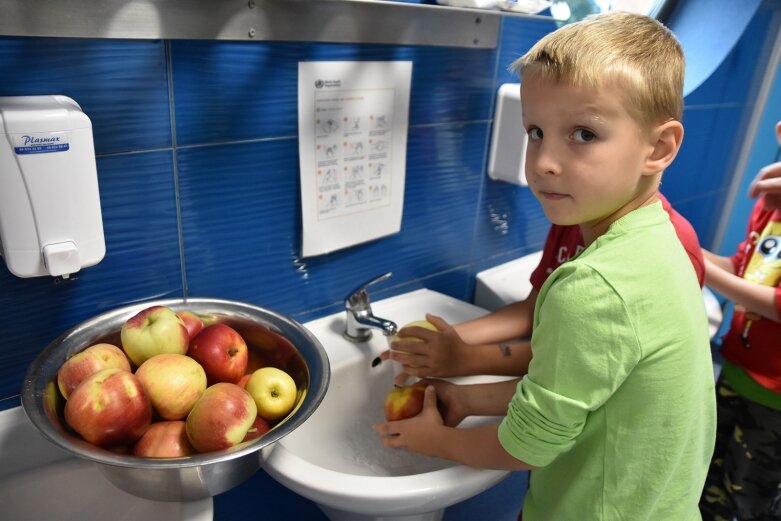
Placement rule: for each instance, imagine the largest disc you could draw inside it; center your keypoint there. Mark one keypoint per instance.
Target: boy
(744, 479)
(490, 344)
(616, 415)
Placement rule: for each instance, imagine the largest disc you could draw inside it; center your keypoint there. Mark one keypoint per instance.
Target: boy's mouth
(552, 196)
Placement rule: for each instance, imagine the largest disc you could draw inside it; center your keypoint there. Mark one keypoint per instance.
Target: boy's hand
(449, 402)
(437, 354)
(414, 434)
(767, 184)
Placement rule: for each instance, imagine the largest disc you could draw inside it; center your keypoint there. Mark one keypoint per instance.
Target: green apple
(153, 331)
(417, 323)
(274, 392)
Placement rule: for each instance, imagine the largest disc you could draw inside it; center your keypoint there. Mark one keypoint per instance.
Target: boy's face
(586, 155)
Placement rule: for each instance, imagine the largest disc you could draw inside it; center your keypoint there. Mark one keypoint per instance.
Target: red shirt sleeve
(688, 238)
(562, 243)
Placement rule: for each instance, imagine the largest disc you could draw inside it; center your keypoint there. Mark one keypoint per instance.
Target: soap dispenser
(50, 217)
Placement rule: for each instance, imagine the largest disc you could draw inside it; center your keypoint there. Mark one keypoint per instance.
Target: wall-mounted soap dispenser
(50, 218)
(508, 139)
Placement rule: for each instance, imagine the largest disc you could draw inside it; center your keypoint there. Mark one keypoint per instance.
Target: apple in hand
(109, 409)
(417, 323)
(221, 417)
(274, 392)
(404, 401)
(173, 383)
(221, 351)
(165, 439)
(258, 429)
(192, 322)
(153, 331)
(88, 362)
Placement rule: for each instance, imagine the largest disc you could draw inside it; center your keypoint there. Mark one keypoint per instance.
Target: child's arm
(753, 297)
(475, 447)
(767, 183)
(473, 347)
(722, 262)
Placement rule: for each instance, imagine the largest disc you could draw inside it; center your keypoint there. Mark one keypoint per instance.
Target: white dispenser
(50, 219)
(508, 141)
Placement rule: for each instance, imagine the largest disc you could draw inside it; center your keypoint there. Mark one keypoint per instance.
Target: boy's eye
(583, 135)
(535, 133)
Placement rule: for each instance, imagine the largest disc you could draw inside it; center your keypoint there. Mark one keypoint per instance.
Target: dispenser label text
(40, 143)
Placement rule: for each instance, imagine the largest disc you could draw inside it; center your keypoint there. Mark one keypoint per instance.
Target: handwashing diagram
(353, 118)
(353, 141)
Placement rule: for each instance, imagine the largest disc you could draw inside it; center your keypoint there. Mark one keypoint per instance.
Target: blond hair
(635, 50)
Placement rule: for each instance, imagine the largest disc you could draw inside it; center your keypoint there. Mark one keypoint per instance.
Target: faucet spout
(360, 320)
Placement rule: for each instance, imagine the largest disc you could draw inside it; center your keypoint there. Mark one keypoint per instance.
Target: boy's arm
(478, 346)
(475, 447)
(750, 295)
(511, 321)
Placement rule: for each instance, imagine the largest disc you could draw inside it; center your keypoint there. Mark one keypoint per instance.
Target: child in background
(744, 480)
(616, 415)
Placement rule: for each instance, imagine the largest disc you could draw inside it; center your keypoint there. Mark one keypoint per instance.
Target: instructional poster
(352, 129)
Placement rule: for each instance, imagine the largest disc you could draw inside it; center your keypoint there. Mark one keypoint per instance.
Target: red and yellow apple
(222, 353)
(404, 402)
(221, 417)
(173, 383)
(109, 408)
(192, 322)
(274, 392)
(153, 331)
(88, 362)
(258, 429)
(164, 439)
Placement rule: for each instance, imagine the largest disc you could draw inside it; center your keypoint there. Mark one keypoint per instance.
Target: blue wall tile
(121, 85)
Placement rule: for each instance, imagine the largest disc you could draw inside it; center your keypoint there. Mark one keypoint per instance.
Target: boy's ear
(666, 141)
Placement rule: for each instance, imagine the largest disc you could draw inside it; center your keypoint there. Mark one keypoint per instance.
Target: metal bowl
(283, 341)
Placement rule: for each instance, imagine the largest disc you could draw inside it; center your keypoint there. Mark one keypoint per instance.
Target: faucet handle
(359, 299)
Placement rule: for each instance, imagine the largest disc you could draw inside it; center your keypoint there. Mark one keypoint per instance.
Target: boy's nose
(542, 160)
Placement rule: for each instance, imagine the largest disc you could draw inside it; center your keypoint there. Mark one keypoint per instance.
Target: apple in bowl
(221, 417)
(173, 383)
(221, 351)
(109, 409)
(88, 362)
(152, 331)
(274, 392)
(164, 439)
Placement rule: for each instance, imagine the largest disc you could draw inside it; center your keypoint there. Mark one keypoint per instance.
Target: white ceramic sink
(38, 481)
(338, 461)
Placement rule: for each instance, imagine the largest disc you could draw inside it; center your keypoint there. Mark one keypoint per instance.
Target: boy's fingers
(439, 322)
(430, 398)
(401, 378)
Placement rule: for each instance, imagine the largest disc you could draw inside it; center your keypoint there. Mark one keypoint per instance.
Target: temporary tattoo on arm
(504, 347)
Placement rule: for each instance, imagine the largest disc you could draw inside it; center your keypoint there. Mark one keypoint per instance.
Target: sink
(40, 481)
(335, 458)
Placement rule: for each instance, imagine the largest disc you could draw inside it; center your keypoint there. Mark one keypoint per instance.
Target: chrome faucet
(360, 319)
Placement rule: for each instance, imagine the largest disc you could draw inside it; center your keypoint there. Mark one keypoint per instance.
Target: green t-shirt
(617, 411)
